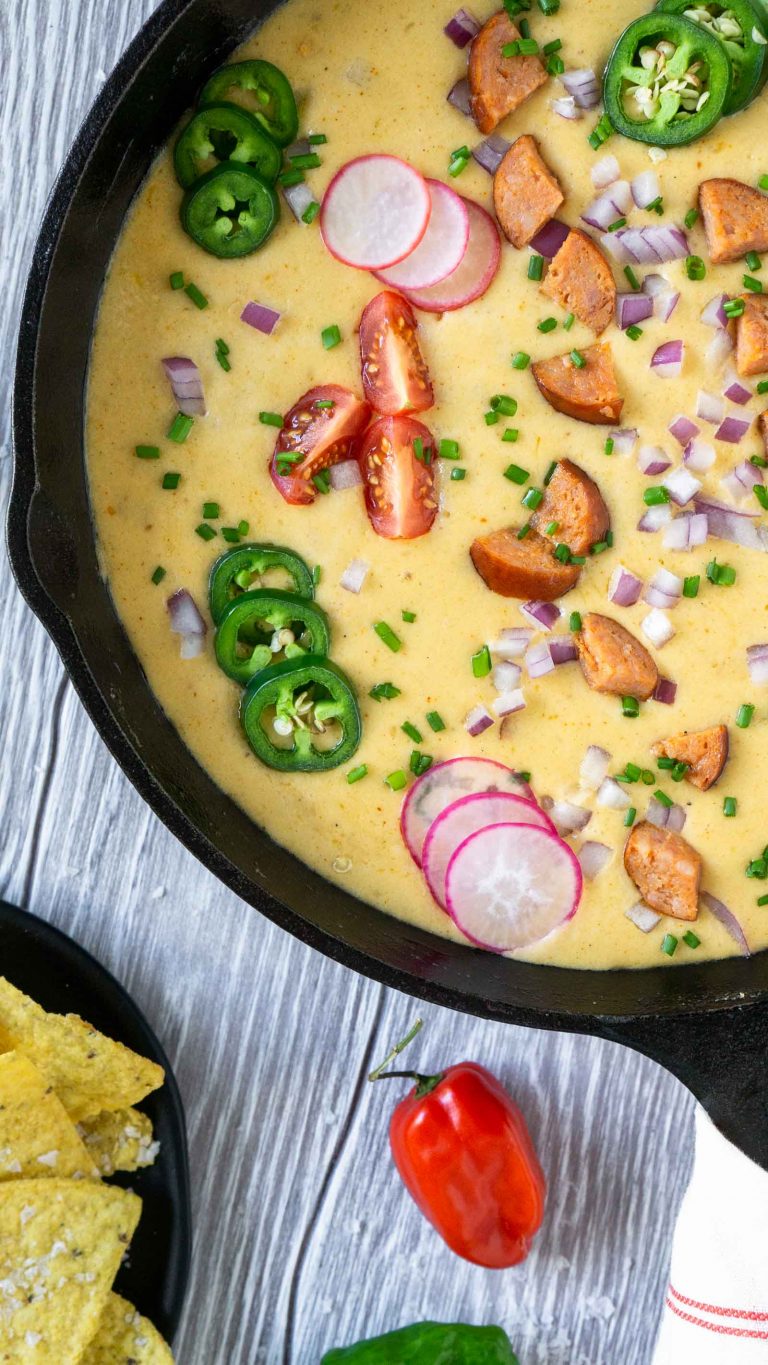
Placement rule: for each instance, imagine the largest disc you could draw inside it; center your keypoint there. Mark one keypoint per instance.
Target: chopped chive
(547, 325)
(535, 267)
(762, 386)
(691, 217)
(448, 450)
(578, 360)
(679, 770)
(665, 764)
(324, 404)
(761, 493)
(729, 806)
(722, 575)
(691, 585)
(525, 26)
(763, 182)
(663, 799)
(457, 475)
(744, 715)
(574, 621)
(211, 511)
(609, 445)
(357, 774)
(418, 448)
(385, 691)
(230, 534)
(759, 461)
(204, 531)
(753, 261)
(632, 277)
(754, 286)
(669, 945)
(322, 481)
(609, 539)
(599, 547)
(634, 333)
(158, 575)
(632, 773)
(180, 428)
(515, 7)
(330, 336)
(387, 636)
(317, 574)
(691, 939)
(270, 419)
(552, 528)
(569, 320)
(223, 360)
(555, 66)
(563, 553)
(758, 869)
(655, 496)
(435, 721)
(317, 139)
(549, 7)
(647, 777)
(695, 268)
(616, 224)
(171, 480)
(656, 206)
(289, 178)
(762, 900)
(578, 559)
(457, 164)
(396, 781)
(196, 295)
(412, 732)
(420, 763)
(308, 216)
(734, 308)
(630, 817)
(630, 707)
(176, 280)
(523, 532)
(409, 616)
(511, 434)
(601, 132)
(306, 161)
(491, 418)
(481, 662)
(504, 404)
(222, 346)
(511, 49)
(533, 498)
(554, 46)
(549, 474)
(528, 47)
(521, 360)
(148, 452)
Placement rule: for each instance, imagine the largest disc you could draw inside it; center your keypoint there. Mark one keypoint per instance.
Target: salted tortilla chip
(121, 1140)
(124, 1337)
(88, 1071)
(61, 1243)
(37, 1136)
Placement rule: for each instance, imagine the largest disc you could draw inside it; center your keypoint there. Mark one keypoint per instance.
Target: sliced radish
(465, 817)
(447, 782)
(375, 212)
(475, 273)
(508, 886)
(442, 247)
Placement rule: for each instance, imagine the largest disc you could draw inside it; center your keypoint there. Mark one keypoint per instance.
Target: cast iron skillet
(708, 1023)
(65, 979)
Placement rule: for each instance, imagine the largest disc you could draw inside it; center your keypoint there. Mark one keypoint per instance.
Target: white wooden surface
(304, 1237)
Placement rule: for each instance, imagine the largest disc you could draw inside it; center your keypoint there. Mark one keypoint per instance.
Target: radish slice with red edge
(473, 276)
(375, 212)
(447, 782)
(465, 817)
(442, 247)
(509, 886)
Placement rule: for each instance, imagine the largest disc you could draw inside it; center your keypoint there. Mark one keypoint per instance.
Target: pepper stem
(424, 1084)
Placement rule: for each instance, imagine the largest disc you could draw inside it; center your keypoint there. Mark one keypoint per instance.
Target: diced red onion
(613, 203)
(462, 28)
(665, 817)
(657, 628)
(654, 285)
(568, 818)
(613, 795)
(594, 766)
(624, 440)
(604, 172)
(459, 97)
(566, 107)
(259, 316)
(652, 460)
(187, 622)
(699, 455)
(665, 692)
(666, 584)
(728, 920)
(632, 309)
(593, 858)
(584, 86)
(624, 588)
(507, 703)
(506, 676)
(714, 315)
(355, 575)
(757, 663)
(643, 917)
(730, 523)
(665, 297)
(550, 238)
(655, 518)
(681, 486)
(298, 198)
(718, 350)
(686, 532)
(645, 189)
(186, 384)
(345, 475)
(710, 407)
(667, 359)
(512, 642)
(735, 390)
(542, 615)
(491, 152)
(733, 429)
(683, 429)
(538, 660)
(563, 649)
(741, 480)
(646, 245)
(478, 720)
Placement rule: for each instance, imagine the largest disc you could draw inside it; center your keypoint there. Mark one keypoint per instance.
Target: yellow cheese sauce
(375, 79)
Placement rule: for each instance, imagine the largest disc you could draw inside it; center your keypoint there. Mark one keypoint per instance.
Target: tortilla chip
(37, 1136)
(124, 1337)
(61, 1243)
(88, 1071)
(119, 1141)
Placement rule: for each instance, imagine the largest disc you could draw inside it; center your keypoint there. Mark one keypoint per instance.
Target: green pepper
(734, 23)
(230, 211)
(293, 712)
(640, 86)
(240, 570)
(224, 132)
(429, 1343)
(249, 630)
(264, 91)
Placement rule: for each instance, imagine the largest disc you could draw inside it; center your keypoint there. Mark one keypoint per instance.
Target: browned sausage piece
(525, 192)
(735, 219)
(575, 502)
(498, 85)
(705, 752)
(589, 394)
(752, 335)
(522, 568)
(613, 661)
(762, 424)
(581, 281)
(665, 869)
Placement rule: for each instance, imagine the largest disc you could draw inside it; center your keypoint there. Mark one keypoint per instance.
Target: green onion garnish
(744, 715)
(722, 575)
(176, 280)
(630, 817)
(171, 480)
(290, 178)
(753, 261)
(691, 217)
(753, 285)
(270, 419)
(552, 528)
(409, 616)
(196, 295)
(631, 773)
(555, 66)
(759, 461)
(449, 450)
(211, 511)
(501, 402)
(535, 267)
(357, 774)
(412, 732)
(647, 777)
(578, 360)
(491, 418)
(547, 325)
(330, 337)
(563, 553)
(481, 662)
(761, 493)
(387, 636)
(695, 268)
(523, 532)
(691, 939)
(609, 445)
(420, 763)
(511, 49)
(322, 481)
(511, 434)
(317, 574)
(435, 721)
(734, 308)
(528, 47)
(655, 496)
(574, 621)
(656, 206)
(669, 945)
(762, 900)
(180, 428)
(223, 359)
(634, 333)
(763, 182)
(317, 139)
(533, 498)
(666, 764)
(230, 534)
(459, 161)
(308, 216)
(663, 799)
(762, 386)
(554, 46)
(148, 452)
(632, 277)
(396, 781)
(618, 223)
(691, 585)
(679, 770)
(204, 531)
(630, 707)
(306, 161)
(549, 474)
(601, 132)
(159, 573)
(457, 475)
(385, 691)
(758, 869)
(568, 321)
(521, 360)
(729, 806)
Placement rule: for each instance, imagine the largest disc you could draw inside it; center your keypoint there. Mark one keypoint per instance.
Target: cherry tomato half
(322, 429)
(397, 462)
(395, 374)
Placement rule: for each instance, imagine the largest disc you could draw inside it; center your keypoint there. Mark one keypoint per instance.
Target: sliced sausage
(497, 84)
(581, 281)
(589, 393)
(522, 568)
(665, 869)
(705, 752)
(575, 502)
(752, 335)
(613, 661)
(525, 192)
(762, 425)
(735, 219)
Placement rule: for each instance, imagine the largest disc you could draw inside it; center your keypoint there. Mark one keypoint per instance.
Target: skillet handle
(721, 1056)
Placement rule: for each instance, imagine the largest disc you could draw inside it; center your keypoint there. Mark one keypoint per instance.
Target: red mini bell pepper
(466, 1157)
